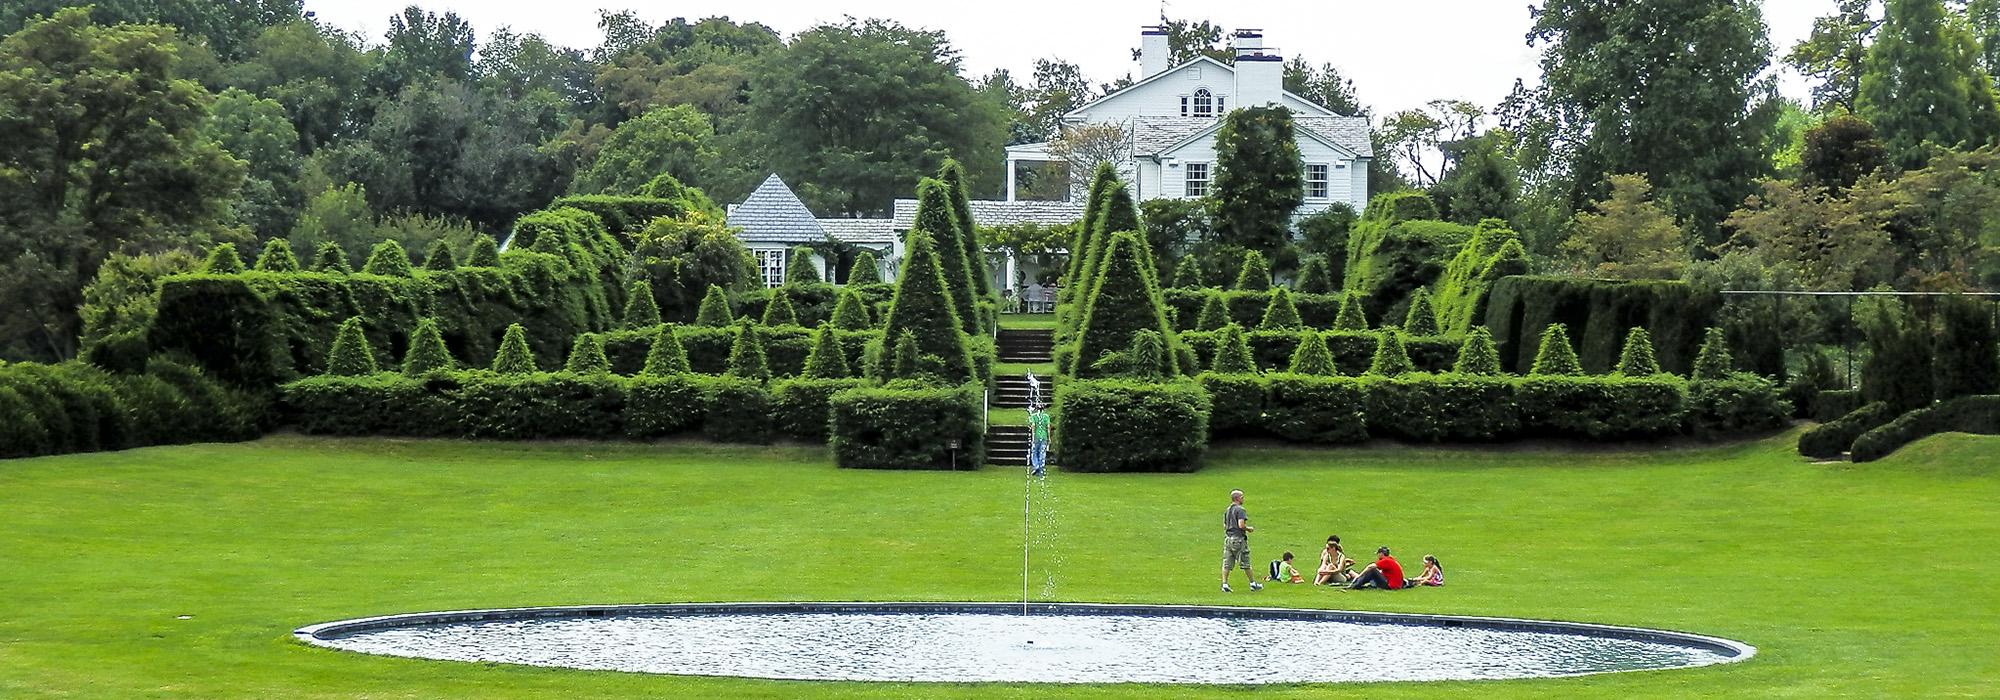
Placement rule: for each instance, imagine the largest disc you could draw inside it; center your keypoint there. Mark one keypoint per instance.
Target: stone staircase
(1007, 445)
(1026, 345)
(1011, 390)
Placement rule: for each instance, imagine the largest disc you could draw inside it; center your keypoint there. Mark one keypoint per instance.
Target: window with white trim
(1204, 103)
(1197, 179)
(771, 264)
(1317, 179)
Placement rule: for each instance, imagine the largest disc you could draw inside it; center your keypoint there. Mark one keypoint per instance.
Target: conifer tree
(953, 177)
(1478, 357)
(1921, 83)
(1422, 318)
(330, 258)
(667, 357)
(427, 352)
(1187, 273)
(904, 361)
(485, 252)
(1214, 313)
(826, 360)
(439, 257)
(779, 312)
(1391, 358)
(223, 261)
(935, 219)
(1314, 278)
(514, 357)
(641, 311)
(1255, 275)
(865, 270)
(714, 310)
(1232, 353)
(1556, 356)
(1312, 357)
(350, 355)
(388, 259)
(1074, 279)
(1713, 361)
(1121, 303)
(1352, 317)
(801, 270)
(923, 307)
(587, 356)
(277, 257)
(1637, 358)
(1280, 314)
(746, 354)
(850, 313)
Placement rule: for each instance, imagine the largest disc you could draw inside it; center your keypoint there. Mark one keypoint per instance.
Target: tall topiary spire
(1478, 356)
(801, 269)
(1187, 273)
(923, 308)
(587, 356)
(780, 312)
(485, 252)
(1637, 359)
(667, 357)
(953, 177)
(850, 313)
(388, 259)
(330, 258)
(1714, 360)
(1117, 214)
(1312, 357)
(427, 352)
(1556, 356)
(1422, 319)
(865, 270)
(1280, 314)
(439, 257)
(1074, 280)
(1255, 275)
(1120, 304)
(746, 354)
(1352, 317)
(1391, 358)
(935, 219)
(826, 360)
(223, 260)
(350, 355)
(1232, 353)
(514, 357)
(1314, 277)
(277, 257)
(641, 311)
(714, 310)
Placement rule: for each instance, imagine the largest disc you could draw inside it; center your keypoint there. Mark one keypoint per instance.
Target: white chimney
(1153, 52)
(1260, 74)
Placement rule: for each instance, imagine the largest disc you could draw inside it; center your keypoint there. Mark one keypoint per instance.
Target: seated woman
(1433, 574)
(1334, 566)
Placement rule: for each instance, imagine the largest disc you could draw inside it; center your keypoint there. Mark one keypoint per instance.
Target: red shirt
(1391, 570)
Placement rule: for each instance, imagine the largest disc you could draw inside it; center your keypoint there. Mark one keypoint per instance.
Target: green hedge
(1442, 408)
(1352, 351)
(1315, 409)
(1600, 408)
(1599, 314)
(1246, 308)
(1236, 403)
(1114, 425)
(1833, 437)
(1831, 404)
(905, 426)
(801, 408)
(480, 404)
(75, 407)
(1742, 404)
(1978, 414)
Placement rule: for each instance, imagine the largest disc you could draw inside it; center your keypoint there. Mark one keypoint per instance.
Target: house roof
(1087, 106)
(773, 214)
(990, 212)
(861, 231)
(1154, 136)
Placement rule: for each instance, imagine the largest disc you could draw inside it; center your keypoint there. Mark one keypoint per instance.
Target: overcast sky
(1400, 53)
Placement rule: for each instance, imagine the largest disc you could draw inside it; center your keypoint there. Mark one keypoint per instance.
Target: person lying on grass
(1433, 574)
(1384, 573)
(1334, 566)
(1282, 571)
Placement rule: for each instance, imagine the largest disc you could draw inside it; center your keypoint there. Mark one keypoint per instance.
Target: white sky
(1400, 53)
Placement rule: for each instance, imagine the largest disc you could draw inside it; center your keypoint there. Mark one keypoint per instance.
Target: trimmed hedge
(1314, 409)
(1833, 437)
(1113, 425)
(75, 407)
(1236, 403)
(1353, 351)
(801, 408)
(1442, 408)
(1978, 414)
(1246, 308)
(1599, 314)
(906, 426)
(1600, 408)
(1740, 404)
(1831, 404)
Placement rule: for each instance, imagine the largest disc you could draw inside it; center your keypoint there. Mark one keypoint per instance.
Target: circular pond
(995, 642)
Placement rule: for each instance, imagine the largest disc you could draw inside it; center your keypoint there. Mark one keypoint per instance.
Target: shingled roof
(991, 212)
(874, 231)
(772, 214)
(1153, 135)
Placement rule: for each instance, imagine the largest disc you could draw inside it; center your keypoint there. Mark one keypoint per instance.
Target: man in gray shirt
(1236, 541)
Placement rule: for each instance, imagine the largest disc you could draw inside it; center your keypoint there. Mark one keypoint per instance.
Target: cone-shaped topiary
(1352, 317)
(801, 269)
(667, 357)
(439, 257)
(1312, 357)
(1314, 277)
(1147, 358)
(780, 312)
(1074, 279)
(1214, 313)
(1422, 318)
(350, 355)
(641, 311)
(1187, 273)
(935, 219)
(427, 352)
(277, 257)
(1637, 359)
(1255, 275)
(923, 307)
(1120, 304)
(826, 361)
(904, 361)
(850, 313)
(330, 258)
(223, 260)
(1280, 314)
(514, 357)
(485, 252)
(1478, 356)
(714, 309)
(1391, 358)
(953, 177)
(1232, 354)
(746, 354)
(1117, 214)
(1556, 356)
(388, 259)
(1714, 360)
(865, 270)
(587, 356)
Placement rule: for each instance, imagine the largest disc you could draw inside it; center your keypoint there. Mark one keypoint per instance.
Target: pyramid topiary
(1255, 275)
(587, 356)
(1117, 214)
(1146, 359)
(923, 308)
(330, 258)
(1187, 273)
(277, 257)
(427, 352)
(1713, 361)
(667, 357)
(953, 177)
(1214, 313)
(934, 217)
(1477, 356)
(1352, 317)
(850, 313)
(779, 312)
(350, 355)
(1086, 231)
(439, 257)
(1280, 314)
(1422, 319)
(714, 309)
(826, 361)
(223, 261)
(1391, 358)
(746, 354)
(1312, 357)
(388, 259)
(904, 360)
(1232, 354)
(641, 311)
(514, 357)
(1314, 277)
(1637, 359)
(865, 269)
(1120, 304)
(485, 252)
(1556, 356)
(801, 269)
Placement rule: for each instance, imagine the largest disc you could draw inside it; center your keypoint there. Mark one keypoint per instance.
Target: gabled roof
(1153, 136)
(991, 212)
(1162, 74)
(858, 231)
(774, 214)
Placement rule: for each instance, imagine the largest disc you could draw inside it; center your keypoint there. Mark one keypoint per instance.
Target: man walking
(1236, 541)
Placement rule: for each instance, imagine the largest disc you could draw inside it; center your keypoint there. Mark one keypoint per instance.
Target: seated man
(1384, 573)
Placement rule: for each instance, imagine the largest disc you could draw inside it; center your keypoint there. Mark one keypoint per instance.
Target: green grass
(1027, 320)
(1041, 369)
(1854, 581)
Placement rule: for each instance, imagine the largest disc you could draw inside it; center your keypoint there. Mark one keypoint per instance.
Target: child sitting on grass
(1433, 574)
(1281, 570)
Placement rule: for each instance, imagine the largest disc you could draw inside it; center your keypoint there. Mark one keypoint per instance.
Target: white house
(1171, 115)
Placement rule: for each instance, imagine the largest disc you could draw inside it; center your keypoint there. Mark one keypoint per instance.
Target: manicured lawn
(1872, 581)
(1031, 321)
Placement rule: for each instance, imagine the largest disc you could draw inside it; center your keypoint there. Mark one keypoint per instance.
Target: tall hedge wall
(75, 407)
(1246, 308)
(1115, 425)
(907, 426)
(1598, 313)
(1352, 350)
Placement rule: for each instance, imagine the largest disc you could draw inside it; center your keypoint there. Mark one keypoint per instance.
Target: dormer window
(1204, 103)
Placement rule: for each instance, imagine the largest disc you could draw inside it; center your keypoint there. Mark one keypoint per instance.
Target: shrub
(1636, 360)
(735, 409)
(924, 308)
(1312, 357)
(587, 356)
(1390, 357)
(666, 357)
(1232, 354)
(1421, 318)
(330, 258)
(427, 351)
(541, 405)
(827, 360)
(1236, 403)
(277, 257)
(514, 356)
(779, 312)
(1831, 404)
(865, 270)
(223, 260)
(1314, 278)
(934, 217)
(1214, 315)
(714, 309)
(641, 310)
(1966, 414)
(1598, 314)
(388, 259)
(1477, 356)
(350, 355)
(1737, 404)
(1494, 252)
(1968, 349)
(801, 408)
(485, 252)
(1387, 260)
(1187, 273)
(1127, 426)
(746, 355)
(1600, 408)
(1316, 409)
(1075, 274)
(1441, 408)
(851, 314)
(1281, 314)
(662, 405)
(439, 257)
(1836, 436)
(1255, 275)
(1714, 361)
(1556, 357)
(967, 235)
(1123, 302)
(907, 426)
(801, 270)
(1352, 317)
